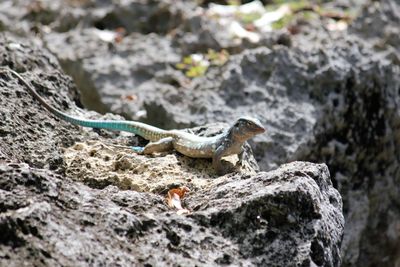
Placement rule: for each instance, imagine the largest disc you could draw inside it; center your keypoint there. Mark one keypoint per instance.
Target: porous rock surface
(288, 217)
(330, 97)
(49, 216)
(324, 96)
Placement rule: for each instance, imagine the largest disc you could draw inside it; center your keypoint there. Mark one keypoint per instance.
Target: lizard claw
(137, 149)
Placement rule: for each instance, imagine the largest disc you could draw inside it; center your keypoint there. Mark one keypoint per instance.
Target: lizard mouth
(260, 130)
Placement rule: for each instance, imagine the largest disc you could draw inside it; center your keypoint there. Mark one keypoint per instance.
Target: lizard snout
(260, 130)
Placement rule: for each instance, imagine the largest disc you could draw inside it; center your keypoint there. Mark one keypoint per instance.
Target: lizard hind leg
(161, 145)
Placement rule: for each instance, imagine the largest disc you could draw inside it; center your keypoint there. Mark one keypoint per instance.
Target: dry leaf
(129, 97)
(174, 197)
(120, 34)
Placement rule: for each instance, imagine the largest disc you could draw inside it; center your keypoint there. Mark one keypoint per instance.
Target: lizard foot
(138, 149)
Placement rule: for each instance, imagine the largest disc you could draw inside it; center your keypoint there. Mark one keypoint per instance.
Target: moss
(282, 23)
(218, 58)
(196, 71)
(303, 8)
(234, 2)
(193, 68)
(248, 18)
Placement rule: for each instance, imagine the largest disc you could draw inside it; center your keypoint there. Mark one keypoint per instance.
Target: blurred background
(322, 76)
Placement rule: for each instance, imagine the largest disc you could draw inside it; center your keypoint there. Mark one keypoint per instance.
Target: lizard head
(246, 127)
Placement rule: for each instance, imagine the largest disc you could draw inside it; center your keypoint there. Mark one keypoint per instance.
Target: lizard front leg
(240, 156)
(161, 145)
(216, 160)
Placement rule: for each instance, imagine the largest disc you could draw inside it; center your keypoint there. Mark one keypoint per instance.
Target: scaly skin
(228, 143)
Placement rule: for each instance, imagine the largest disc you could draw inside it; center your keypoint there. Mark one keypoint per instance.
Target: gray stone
(290, 216)
(327, 97)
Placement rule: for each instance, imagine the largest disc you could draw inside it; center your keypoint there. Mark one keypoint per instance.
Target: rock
(49, 217)
(28, 132)
(42, 232)
(359, 120)
(97, 163)
(379, 24)
(295, 219)
(336, 105)
(107, 162)
(143, 63)
(268, 214)
(326, 96)
(122, 84)
(62, 16)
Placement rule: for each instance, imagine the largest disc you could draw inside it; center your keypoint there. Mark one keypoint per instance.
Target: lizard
(227, 143)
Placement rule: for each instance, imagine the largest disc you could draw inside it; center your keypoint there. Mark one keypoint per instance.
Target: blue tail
(137, 149)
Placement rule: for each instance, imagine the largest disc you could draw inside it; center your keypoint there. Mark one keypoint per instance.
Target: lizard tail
(146, 131)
